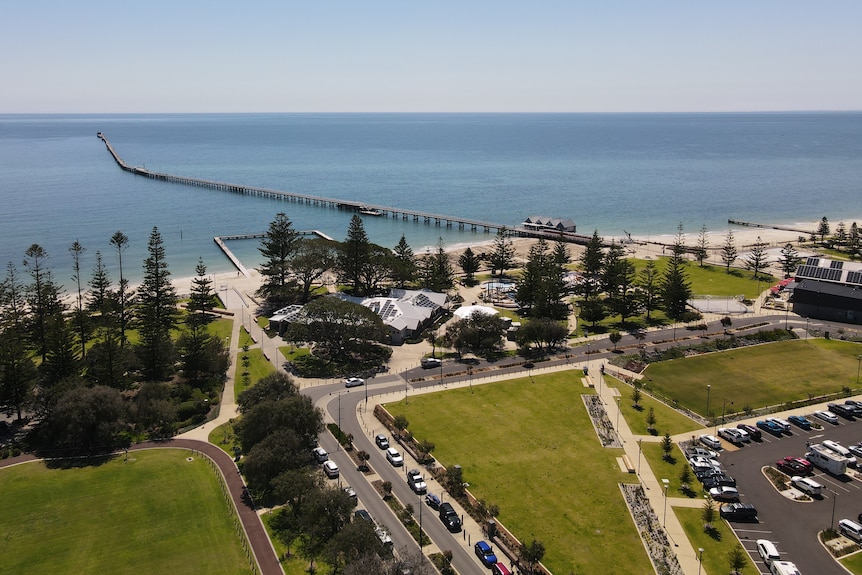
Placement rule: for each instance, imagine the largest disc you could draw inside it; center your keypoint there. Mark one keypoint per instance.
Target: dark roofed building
(828, 289)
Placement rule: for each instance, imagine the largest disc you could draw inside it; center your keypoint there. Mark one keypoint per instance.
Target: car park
(432, 501)
(826, 416)
(794, 466)
(381, 441)
(330, 469)
(431, 363)
(449, 517)
(752, 431)
(738, 511)
(770, 426)
(393, 457)
(724, 493)
(710, 441)
(800, 421)
(415, 481)
(732, 434)
(320, 454)
(354, 382)
(485, 553)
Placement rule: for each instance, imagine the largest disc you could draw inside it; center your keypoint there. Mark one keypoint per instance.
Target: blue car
(485, 553)
(771, 427)
(799, 421)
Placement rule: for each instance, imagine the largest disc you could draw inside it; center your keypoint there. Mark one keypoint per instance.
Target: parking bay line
(753, 531)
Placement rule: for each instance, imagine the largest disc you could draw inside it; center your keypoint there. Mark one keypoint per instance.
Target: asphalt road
(793, 525)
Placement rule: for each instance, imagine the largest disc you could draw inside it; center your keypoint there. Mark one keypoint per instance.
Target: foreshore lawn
(668, 420)
(756, 376)
(156, 513)
(713, 280)
(530, 448)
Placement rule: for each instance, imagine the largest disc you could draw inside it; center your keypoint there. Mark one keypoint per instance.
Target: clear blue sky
(85, 56)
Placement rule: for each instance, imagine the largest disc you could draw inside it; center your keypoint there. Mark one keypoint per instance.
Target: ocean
(638, 173)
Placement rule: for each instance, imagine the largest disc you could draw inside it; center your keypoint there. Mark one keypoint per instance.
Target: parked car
(841, 409)
(826, 416)
(500, 569)
(698, 461)
(752, 431)
(384, 537)
(381, 441)
(363, 515)
(330, 469)
(354, 382)
(738, 511)
(732, 434)
(393, 457)
(800, 421)
(770, 426)
(807, 486)
(782, 423)
(320, 454)
(794, 465)
(700, 451)
(485, 553)
(415, 481)
(710, 441)
(856, 450)
(431, 363)
(351, 493)
(719, 480)
(432, 501)
(449, 517)
(854, 406)
(724, 493)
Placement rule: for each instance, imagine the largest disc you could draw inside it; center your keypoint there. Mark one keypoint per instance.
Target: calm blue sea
(643, 173)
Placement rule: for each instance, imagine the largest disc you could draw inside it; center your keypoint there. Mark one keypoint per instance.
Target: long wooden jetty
(770, 226)
(378, 210)
(220, 242)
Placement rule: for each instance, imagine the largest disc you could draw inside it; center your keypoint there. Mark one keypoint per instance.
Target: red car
(794, 466)
(752, 431)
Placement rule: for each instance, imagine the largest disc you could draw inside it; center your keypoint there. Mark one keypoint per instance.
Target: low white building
(404, 312)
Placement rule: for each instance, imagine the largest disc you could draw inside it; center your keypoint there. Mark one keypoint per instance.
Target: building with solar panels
(829, 290)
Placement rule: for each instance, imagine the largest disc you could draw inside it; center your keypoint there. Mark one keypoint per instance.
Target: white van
(767, 551)
(783, 568)
(851, 529)
(330, 469)
(840, 450)
(807, 486)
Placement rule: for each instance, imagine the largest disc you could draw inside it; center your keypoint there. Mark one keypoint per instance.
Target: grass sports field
(156, 513)
(530, 448)
(758, 376)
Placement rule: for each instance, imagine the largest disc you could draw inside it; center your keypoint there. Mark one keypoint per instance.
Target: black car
(449, 517)
(738, 511)
(705, 473)
(719, 480)
(364, 515)
(842, 409)
(381, 441)
(855, 407)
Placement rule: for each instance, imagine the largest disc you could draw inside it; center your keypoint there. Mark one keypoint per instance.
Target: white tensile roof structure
(468, 310)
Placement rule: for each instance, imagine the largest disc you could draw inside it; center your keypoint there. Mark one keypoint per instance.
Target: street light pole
(639, 457)
(834, 499)
(618, 415)
(699, 559)
(707, 400)
(666, 485)
(858, 365)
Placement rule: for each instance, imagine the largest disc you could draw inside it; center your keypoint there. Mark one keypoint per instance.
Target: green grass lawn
(713, 280)
(667, 420)
(224, 437)
(258, 367)
(664, 469)
(530, 449)
(715, 548)
(156, 513)
(757, 376)
(221, 328)
(853, 563)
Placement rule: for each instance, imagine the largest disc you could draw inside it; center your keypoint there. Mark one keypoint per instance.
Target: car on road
(724, 493)
(415, 481)
(354, 382)
(432, 501)
(381, 441)
(485, 553)
(710, 441)
(738, 511)
(800, 421)
(752, 431)
(393, 457)
(449, 517)
(431, 363)
(794, 465)
(733, 434)
(826, 416)
(770, 426)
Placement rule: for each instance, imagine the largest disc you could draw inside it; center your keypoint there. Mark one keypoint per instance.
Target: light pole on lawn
(708, 387)
(858, 366)
(639, 457)
(699, 559)
(618, 415)
(666, 483)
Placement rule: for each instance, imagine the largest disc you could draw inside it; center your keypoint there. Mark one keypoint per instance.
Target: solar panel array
(818, 273)
(812, 261)
(854, 278)
(836, 264)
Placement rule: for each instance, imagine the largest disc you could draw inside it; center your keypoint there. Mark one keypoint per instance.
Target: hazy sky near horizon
(162, 56)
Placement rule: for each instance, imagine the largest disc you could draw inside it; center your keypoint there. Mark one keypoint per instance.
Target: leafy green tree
(277, 248)
(502, 256)
(685, 478)
(156, 312)
(854, 244)
(729, 251)
(43, 299)
(85, 419)
(789, 260)
(757, 258)
(153, 409)
(479, 333)
(205, 359)
(737, 558)
(618, 281)
(311, 260)
(651, 420)
(273, 387)
(615, 338)
(470, 264)
(592, 310)
(18, 373)
(675, 287)
(636, 396)
(666, 446)
(532, 553)
(544, 332)
(840, 238)
(404, 268)
(278, 451)
(295, 413)
(592, 263)
(337, 326)
(350, 543)
(707, 513)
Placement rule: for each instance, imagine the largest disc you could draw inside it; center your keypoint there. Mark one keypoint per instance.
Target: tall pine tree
(277, 247)
(156, 312)
(675, 288)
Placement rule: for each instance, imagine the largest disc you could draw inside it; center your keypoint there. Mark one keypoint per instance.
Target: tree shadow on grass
(712, 532)
(79, 462)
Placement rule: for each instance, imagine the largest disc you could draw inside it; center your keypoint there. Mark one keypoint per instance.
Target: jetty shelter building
(545, 224)
(829, 290)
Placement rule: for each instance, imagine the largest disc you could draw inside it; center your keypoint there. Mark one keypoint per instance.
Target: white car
(826, 416)
(731, 434)
(724, 493)
(702, 452)
(710, 441)
(330, 469)
(320, 454)
(393, 457)
(354, 382)
(698, 461)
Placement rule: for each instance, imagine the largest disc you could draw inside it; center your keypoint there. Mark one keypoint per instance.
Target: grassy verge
(258, 367)
(668, 420)
(294, 565)
(715, 546)
(156, 513)
(853, 563)
(670, 469)
(515, 437)
(757, 376)
(224, 437)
